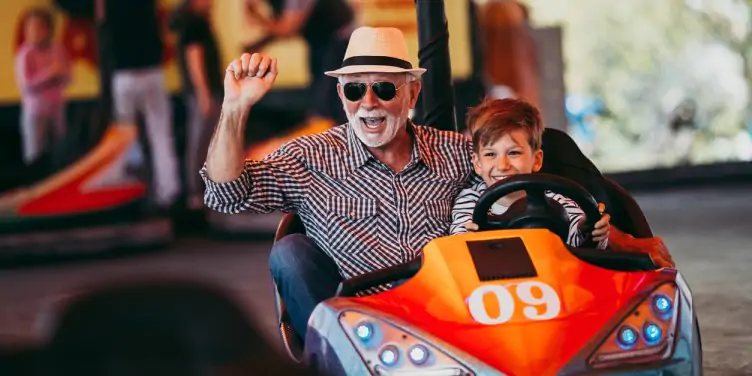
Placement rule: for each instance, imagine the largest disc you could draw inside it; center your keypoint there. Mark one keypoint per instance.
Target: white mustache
(371, 114)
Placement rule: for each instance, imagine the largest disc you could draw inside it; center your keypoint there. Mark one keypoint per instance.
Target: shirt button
(352, 214)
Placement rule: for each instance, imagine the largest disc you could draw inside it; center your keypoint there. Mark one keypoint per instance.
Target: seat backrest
(625, 212)
(563, 157)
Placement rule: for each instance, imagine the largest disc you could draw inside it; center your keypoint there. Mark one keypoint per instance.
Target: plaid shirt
(356, 209)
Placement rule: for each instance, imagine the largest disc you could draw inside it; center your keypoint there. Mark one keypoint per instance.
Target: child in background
(42, 72)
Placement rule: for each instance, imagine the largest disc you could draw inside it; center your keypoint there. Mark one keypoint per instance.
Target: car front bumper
(330, 351)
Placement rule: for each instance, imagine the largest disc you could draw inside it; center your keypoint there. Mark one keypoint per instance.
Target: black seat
(563, 157)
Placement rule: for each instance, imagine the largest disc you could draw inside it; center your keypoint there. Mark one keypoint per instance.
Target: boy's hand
(603, 226)
(470, 226)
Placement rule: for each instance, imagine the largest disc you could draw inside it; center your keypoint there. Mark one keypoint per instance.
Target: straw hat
(376, 50)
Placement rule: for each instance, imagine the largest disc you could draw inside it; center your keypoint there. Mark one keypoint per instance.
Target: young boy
(507, 136)
(42, 72)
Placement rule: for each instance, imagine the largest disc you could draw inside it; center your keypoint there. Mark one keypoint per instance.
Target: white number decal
(478, 308)
(548, 298)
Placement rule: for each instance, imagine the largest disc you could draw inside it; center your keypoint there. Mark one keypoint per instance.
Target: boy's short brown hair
(493, 118)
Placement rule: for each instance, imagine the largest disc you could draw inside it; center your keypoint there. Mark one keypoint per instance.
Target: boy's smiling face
(509, 155)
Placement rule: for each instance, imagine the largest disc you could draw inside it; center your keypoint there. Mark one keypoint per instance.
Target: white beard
(390, 127)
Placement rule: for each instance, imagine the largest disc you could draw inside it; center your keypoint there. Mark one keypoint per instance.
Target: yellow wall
(233, 33)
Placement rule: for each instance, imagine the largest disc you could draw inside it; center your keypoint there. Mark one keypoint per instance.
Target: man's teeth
(372, 121)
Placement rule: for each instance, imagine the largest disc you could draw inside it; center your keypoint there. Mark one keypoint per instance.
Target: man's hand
(658, 252)
(655, 247)
(248, 79)
(603, 226)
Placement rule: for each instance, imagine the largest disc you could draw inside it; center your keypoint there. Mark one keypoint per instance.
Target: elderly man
(371, 193)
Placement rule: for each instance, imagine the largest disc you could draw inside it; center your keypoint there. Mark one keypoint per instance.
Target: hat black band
(377, 60)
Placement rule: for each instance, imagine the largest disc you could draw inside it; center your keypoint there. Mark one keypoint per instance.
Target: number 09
(524, 291)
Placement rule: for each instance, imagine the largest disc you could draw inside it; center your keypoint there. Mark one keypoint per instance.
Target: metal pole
(104, 50)
(435, 107)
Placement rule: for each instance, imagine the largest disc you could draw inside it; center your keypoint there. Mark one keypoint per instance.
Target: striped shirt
(462, 212)
(357, 210)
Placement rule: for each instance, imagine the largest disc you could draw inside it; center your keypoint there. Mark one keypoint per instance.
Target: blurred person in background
(326, 26)
(158, 327)
(510, 50)
(138, 87)
(201, 76)
(43, 70)
(683, 124)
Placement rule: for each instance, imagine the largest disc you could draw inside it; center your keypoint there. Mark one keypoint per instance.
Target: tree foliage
(644, 57)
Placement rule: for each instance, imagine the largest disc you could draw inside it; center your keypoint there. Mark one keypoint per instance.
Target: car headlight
(390, 350)
(646, 334)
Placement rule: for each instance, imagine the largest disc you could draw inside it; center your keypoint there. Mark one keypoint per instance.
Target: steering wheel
(536, 210)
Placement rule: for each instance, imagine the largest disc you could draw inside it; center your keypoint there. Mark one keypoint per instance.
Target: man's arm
(654, 247)
(253, 16)
(192, 37)
(197, 74)
(293, 17)
(225, 160)
(281, 180)
(234, 185)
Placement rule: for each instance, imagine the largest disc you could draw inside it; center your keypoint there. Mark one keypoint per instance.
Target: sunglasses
(355, 91)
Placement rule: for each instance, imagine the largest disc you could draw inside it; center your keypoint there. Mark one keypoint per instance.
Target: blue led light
(364, 331)
(652, 333)
(418, 354)
(389, 356)
(627, 336)
(662, 304)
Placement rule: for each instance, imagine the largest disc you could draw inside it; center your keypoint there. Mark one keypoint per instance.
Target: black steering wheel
(536, 210)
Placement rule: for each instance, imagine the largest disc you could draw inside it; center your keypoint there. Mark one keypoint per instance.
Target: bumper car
(92, 206)
(512, 299)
